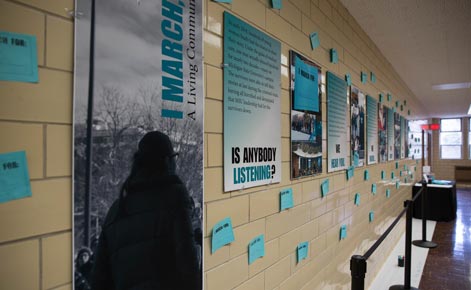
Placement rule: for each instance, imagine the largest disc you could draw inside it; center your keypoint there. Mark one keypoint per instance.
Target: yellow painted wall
(35, 233)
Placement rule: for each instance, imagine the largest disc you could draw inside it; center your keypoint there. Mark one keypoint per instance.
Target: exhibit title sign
(337, 125)
(252, 127)
(372, 130)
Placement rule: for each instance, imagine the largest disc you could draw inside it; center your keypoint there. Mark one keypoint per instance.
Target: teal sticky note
(405, 166)
(286, 199)
(405, 102)
(223, 1)
(397, 184)
(343, 232)
(222, 234)
(276, 4)
(256, 248)
(388, 193)
(334, 58)
(397, 165)
(389, 97)
(315, 42)
(381, 98)
(324, 187)
(357, 199)
(348, 79)
(18, 57)
(373, 188)
(363, 78)
(392, 175)
(367, 175)
(408, 112)
(350, 172)
(402, 108)
(14, 176)
(302, 251)
(397, 104)
(383, 174)
(400, 173)
(373, 77)
(394, 110)
(371, 216)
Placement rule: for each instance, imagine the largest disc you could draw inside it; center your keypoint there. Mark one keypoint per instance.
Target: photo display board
(390, 134)
(148, 76)
(252, 127)
(372, 129)
(397, 136)
(357, 136)
(382, 133)
(337, 124)
(306, 117)
(403, 138)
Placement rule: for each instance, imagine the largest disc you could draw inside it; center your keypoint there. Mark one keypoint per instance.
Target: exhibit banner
(382, 133)
(306, 117)
(390, 134)
(357, 136)
(397, 136)
(141, 72)
(337, 124)
(252, 127)
(372, 129)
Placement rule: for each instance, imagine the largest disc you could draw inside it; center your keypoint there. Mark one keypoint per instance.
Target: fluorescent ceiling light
(455, 86)
(469, 110)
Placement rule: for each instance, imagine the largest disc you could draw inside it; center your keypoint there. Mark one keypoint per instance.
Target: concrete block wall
(35, 232)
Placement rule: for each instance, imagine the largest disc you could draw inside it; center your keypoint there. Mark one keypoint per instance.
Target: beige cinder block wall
(35, 232)
(255, 211)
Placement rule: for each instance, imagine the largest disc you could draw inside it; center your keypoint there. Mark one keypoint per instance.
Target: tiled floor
(448, 267)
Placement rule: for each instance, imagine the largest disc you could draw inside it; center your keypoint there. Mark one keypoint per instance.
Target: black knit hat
(155, 144)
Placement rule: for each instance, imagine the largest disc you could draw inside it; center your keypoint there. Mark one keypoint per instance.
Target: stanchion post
(408, 256)
(358, 272)
(424, 243)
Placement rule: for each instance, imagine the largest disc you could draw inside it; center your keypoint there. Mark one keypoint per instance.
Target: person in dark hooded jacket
(147, 240)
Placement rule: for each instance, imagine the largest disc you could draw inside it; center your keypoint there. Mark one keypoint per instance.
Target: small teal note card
(373, 188)
(256, 248)
(405, 166)
(372, 216)
(400, 173)
(402, 108)
(397, 165)
(383, 174)
(276, 4)
(408, 112)
(223, 1)
(392, 175)
(405, 102)
(373, 77)
(286, 199)
(14, 176)
(348, 79)
(302, 251)
(357, 199)
(324, 187)
(397, 104)
(363, 78)
(389, 97)
(343, 232)
(350, 172)
(367, 175)
(397, 184)
(388, 193)
(18, 57)
(222, 234)
(381, 98)
(315, 42)
(334, 58)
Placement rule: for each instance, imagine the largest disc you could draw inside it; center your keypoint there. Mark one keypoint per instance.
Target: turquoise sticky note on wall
(256, 248)
(408, 112)
(286, 199)
(389, 97)
(276, 4)
(18, 57)
(371, 216)
(392, 175)
(363, 78)
(397, 104)
(373, 77)
(302, 251)
(373, 188)
(405, 167)
(348, 79)
(397, 184)
(324, 187)
(315, 42)
(14, 176)
(394, 110)
(383, 174)
(357, 199)
(367, 175)
(223, 1)
(388, 193)
(381, 98)
(350, 172)
(334, 58)
(397, 165)
(402, 108)
(405, 102)
(400, 173)
(343, 232)
(222, 234)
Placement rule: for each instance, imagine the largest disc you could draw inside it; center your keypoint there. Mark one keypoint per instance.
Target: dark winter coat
(147, 242)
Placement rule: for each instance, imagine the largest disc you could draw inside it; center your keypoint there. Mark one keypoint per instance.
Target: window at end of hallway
(450, 139)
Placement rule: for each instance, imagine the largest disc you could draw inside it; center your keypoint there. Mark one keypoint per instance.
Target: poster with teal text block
(14, 176)
(302, 251)
(18, 57)
(306, 89)
(223, 234)
(256, 248)
(286, 199)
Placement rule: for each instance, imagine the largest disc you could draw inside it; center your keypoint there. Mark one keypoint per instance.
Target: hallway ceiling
(428, 42)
